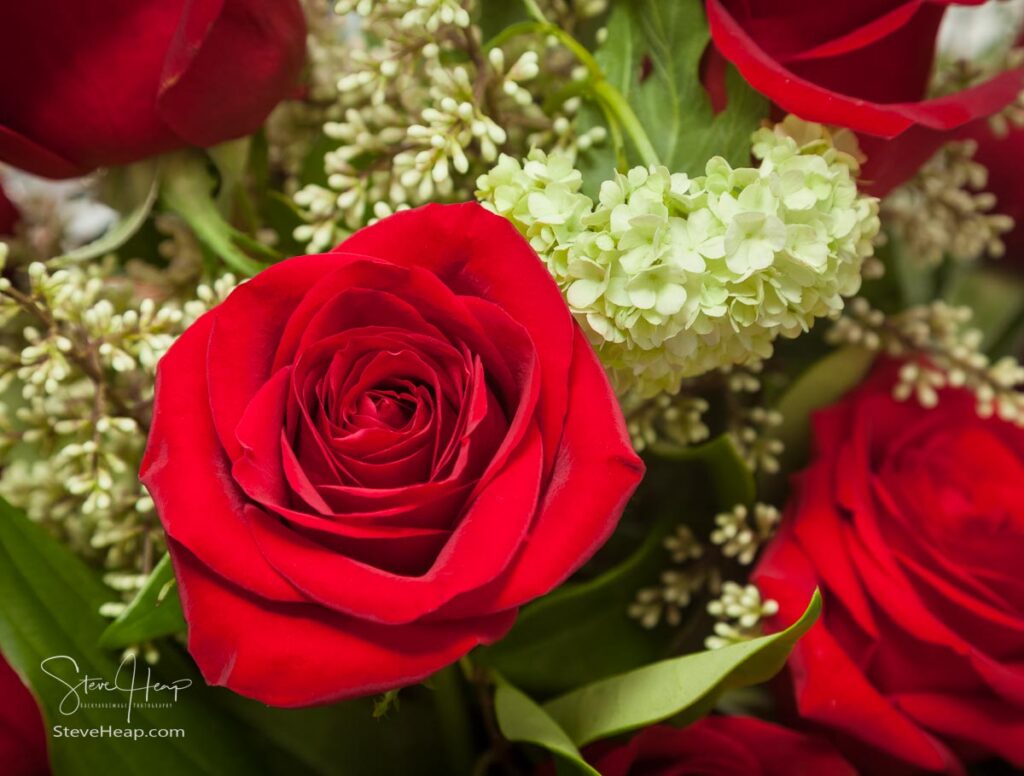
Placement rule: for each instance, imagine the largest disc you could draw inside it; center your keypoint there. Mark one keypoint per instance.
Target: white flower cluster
(76, 386)
(678, 585)
(702, 570)
(740, 612)
(420, 109)
(430, 15)
(944, 210)
(941, 350)
(672, 276)
(742, 532)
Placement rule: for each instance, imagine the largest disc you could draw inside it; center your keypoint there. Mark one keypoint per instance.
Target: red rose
(22, 739)
(864, 66)
(719, 746)
(84, 85)
(912, 523)
(366, 460)
(1003, 156)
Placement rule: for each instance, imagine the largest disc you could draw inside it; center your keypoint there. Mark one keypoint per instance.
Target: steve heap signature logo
(129, 689)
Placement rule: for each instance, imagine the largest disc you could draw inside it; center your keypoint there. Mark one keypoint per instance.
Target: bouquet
(490, 387)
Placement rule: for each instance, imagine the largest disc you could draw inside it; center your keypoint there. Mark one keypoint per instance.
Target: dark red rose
(864, 66)
(1003, 156)
(22, 738)
(366, 460)
(84, 85)
(912, 523)
(719, 746)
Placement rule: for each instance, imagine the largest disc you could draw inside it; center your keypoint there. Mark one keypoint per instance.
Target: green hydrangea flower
(671, 276)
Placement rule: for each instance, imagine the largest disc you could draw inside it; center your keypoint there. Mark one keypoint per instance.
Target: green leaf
(618, 60)
(155, 611)
(824, 383)
(731, 479)
(672, 103)
(997, 300)
(187, 189)
(521, 719)
(139, 185)
(344, 739)
(496, 15)
(917, 283)
(684, 687)
(50, 609)
(551, 647)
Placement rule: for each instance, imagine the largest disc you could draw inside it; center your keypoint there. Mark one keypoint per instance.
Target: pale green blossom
(671, 276)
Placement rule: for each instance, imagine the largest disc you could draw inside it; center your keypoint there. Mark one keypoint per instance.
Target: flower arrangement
(474, 387)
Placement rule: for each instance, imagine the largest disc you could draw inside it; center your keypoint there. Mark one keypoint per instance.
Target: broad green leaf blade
(493, 16)
(582, 631)
(345, 739)
(140, 183)
(822, 384)
(671, 102)
(731, 479)
(50, 610)
(521, 719)
(683, 687)
(155, 611)
(996, 299)
(187, 190)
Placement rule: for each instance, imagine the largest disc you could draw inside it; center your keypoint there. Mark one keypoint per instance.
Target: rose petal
(595, 472)
(305, 654)
(482, 544)
(219, 45)
(188, 474)
(251, 321)
(470, 250)
(830, 689)
(992, 725)
(813, 102)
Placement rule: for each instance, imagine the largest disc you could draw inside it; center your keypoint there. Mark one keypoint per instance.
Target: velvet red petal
(481, 546)
(595, 472)
(22, 735)
(249, 324)
(189, 477)
(297, 655)
(472, 250)
(229, 64)
(815, 103)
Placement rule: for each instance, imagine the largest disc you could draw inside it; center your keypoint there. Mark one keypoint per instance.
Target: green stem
(617, 104)
(534, 10)
(453, 718)
(618, 143)
(607, 95)
(211, 229)
(254, 246)
(187, 191)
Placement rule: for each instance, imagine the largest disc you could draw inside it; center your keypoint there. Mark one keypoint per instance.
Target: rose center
(385, 408)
